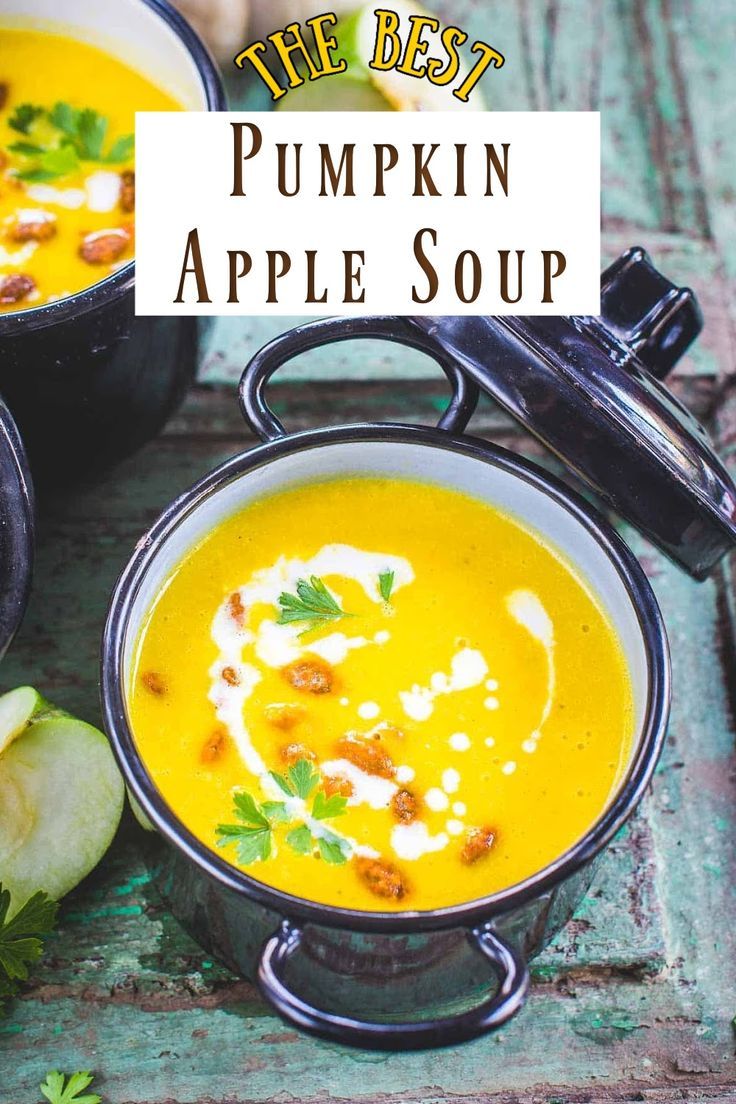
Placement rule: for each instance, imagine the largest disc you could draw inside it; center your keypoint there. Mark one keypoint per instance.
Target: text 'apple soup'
(379, 694)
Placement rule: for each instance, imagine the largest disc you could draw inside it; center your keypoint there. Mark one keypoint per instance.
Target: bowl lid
(592, 390)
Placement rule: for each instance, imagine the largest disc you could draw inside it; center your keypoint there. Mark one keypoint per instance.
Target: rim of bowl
(648, 741)
(114, 285)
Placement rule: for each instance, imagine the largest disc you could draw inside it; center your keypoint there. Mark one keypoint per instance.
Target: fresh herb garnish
(20, 938)
(300, 840)
(301, 780)
(312, 603)
(85, 130)
(253, 835)
(81, 137)
(386, 584)
(59, 1089)
(52, 163)
(325, 807)
(24, 117)
(331, 848)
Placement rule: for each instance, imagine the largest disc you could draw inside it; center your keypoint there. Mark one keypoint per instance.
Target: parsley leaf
(57, 161)
(300, 839)
(253, 835)
(121, 149)
(325, 807)
(386, 584)
(301, 780)
(332, 849)
(65, 118)
(312, 603)
(303, 777)
(24, 117)
(248, 811)
(20, 942)
(90, 135)
(59, 1089)
(28, 149)
(276, 811)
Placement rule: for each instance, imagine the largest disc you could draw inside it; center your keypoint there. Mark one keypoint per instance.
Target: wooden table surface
(634, 1001)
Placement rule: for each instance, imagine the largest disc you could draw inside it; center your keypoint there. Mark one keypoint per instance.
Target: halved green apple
(61, 797)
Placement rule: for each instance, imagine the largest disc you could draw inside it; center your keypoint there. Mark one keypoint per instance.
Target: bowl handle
(510, 969)
(325, 331)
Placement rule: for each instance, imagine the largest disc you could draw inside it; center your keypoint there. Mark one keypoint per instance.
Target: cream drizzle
(468, 669)
(527, 610)
(277, 645)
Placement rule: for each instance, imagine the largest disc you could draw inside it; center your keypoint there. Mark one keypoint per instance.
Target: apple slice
(339, 93)
(17, 708)
(357, 36)
(61, 798)
(361, 88)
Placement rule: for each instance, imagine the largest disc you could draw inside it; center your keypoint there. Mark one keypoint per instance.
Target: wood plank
(131, 995)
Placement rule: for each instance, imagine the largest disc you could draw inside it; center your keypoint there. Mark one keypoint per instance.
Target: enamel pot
(86, 380)
(390, 980)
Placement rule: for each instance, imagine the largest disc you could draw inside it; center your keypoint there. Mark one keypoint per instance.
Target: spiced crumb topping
(292, 753)
(16, 288)
(284, 715)
(368, 757)
(236, 608)
(310, 675)
(214, 746)
(154, 682)
(478, 842)
(405, 806)
(382, 878)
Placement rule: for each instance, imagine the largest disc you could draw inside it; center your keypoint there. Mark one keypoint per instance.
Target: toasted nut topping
(15, 288)
(214, 746)
(127, 191)
(310, 675)
(369, 757)
(154, 682)
(292, 753)
(237, 609)
(40, 228)
(381, 877)
(104, 246)
(478, 842)
(333, 784)
(231, 676)
(405, 806)
(284, 715)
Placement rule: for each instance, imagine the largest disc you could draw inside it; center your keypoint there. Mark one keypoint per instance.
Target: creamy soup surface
(67, 182)
(381, 695)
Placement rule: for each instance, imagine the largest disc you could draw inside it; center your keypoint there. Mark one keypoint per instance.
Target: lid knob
(648, 313)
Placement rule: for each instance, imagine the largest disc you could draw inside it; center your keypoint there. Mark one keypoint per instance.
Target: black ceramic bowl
(390, 980)
(16, 529)
(85, 379)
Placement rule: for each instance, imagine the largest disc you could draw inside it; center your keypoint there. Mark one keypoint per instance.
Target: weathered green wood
(632, 993)
(634, 1000)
